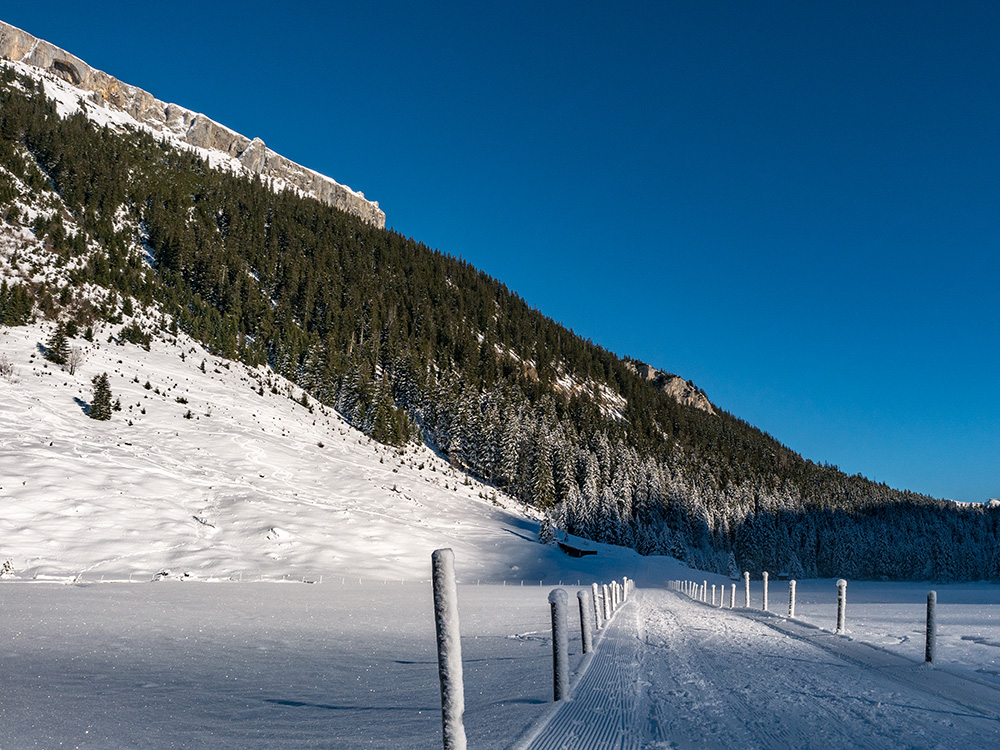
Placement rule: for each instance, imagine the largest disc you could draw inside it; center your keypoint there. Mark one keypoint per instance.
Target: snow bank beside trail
(892, 616)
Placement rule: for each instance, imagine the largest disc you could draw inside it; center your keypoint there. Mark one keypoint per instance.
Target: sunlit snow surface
(251, 486)
(187, 655)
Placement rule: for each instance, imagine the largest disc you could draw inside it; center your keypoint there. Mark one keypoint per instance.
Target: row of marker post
(597, 605)
(603, 601)
(700, 592)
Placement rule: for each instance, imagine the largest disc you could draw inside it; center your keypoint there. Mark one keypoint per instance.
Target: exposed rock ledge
(681, 390)
(190, 127)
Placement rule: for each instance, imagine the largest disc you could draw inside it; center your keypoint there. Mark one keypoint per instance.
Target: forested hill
(412, 344)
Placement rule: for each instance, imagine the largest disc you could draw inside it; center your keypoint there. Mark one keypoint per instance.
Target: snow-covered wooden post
(841, 606)
(931, 644)
(625, 589)
(559, 603)
(732, 598)
(764, 576)
(791, 598)
(597, 606)
(586, 614)
(713, 594)
(746, 588)
(704, 591)
(607, 601)
(449, 646)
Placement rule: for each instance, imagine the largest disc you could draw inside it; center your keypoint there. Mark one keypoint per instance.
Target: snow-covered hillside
(215, 470)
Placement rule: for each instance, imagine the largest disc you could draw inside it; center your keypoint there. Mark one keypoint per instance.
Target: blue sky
(795, 205)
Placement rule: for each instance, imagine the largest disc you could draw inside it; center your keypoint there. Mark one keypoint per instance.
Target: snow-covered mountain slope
(77, 87)
(223, 473)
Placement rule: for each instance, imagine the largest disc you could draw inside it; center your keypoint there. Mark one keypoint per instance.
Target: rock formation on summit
(190, 127)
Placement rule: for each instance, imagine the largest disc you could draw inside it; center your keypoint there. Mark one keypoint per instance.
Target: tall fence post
(746, 588)
(449, 645)
(764, 576)
(597, 610)
(791, 598)
(841, 606)
(931, 646)
(713, 594)
(704, 591)
(586, 612)
(732, 599)
(560, 644)
(606, 600)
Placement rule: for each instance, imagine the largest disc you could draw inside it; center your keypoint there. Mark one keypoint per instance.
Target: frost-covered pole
(746, 588)
(791, 598)
(722, 595)
(607, 601)
(764, 576)
(841, 606)
(597, 609)
(713, 594)
(586, 614)
(449, 646)
(559, 602)
(625, 589)
(931, 627)
(704, 591)
(732, 599)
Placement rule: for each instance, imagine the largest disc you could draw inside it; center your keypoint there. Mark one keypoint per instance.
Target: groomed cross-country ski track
(670, 672)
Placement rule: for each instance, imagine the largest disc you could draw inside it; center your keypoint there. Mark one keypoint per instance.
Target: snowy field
(195, 664)
(218, 494)
(265, 665)
(892, 616)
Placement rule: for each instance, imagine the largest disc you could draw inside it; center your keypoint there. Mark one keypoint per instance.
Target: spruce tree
(100, 404)
(57, 347)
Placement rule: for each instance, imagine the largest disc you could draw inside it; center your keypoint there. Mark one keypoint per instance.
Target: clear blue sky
(793, 204)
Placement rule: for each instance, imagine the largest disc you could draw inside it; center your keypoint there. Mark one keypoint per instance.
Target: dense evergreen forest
(412, 344)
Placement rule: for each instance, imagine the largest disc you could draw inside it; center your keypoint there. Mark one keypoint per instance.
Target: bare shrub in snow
(74, 360)
(7, 369)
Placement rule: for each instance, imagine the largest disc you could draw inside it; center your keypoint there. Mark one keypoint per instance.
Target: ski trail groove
(674, 673)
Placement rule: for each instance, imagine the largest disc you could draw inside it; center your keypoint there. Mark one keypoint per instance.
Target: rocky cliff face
(190, 127)
(674, 386)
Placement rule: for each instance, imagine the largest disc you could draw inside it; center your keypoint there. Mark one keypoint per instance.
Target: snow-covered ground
(263, 665)
(675, 673)
(201, 481)
(250, 486)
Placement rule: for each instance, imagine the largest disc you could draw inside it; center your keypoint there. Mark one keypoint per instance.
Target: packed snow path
(674, 673)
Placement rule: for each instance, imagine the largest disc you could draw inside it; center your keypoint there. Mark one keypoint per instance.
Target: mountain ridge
(189, 127)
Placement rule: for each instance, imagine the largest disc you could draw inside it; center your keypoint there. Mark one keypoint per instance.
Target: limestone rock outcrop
(681, 390)
(190, 127)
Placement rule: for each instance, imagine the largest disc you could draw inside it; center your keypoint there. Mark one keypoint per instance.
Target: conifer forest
(410, 344)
